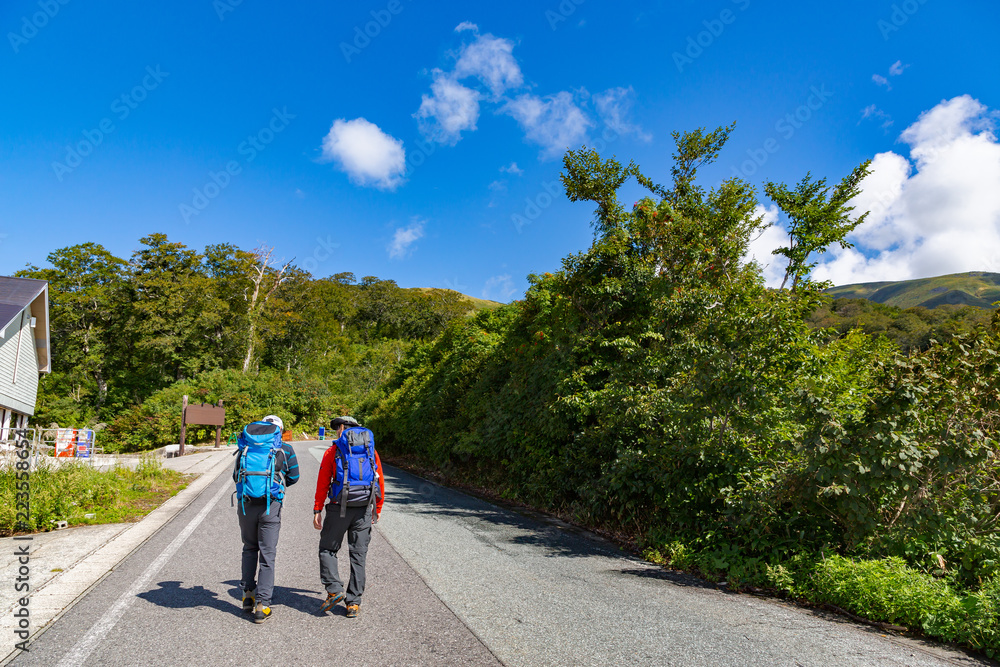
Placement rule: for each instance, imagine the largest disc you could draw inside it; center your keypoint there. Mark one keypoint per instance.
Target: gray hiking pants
(260, 543)
(357, 524)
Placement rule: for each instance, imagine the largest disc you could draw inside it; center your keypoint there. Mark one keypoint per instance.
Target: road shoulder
(72, 562)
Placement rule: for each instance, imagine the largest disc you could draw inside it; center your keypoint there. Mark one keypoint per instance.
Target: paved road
(189, 611)
(453, 581)
(538, 595)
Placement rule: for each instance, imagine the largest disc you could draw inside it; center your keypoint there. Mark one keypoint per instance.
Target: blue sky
(391, 153)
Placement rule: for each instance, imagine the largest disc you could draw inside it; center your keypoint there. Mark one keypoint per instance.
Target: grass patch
(72, 491)
(884, 590)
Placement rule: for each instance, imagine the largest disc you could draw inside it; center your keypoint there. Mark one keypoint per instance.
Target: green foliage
(303, 403)
(913, 329)
(885, 589)
(656, 388)
(71, 490)
(124, 330)
(816, 220)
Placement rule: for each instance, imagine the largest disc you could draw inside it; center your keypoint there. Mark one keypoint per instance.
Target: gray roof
(16, 294)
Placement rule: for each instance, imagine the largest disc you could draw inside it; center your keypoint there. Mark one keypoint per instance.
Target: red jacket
(327, 470)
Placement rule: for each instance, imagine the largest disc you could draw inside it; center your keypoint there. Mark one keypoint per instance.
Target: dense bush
(656, 388)
(302, 402)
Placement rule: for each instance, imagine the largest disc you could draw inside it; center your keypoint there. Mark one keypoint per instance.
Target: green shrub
(885, 589)
(303, 402)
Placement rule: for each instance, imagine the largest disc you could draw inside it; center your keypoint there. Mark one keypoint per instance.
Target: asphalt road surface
(452, 580)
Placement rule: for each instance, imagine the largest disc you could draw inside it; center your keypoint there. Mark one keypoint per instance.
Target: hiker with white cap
(264, 467)
(350, 482)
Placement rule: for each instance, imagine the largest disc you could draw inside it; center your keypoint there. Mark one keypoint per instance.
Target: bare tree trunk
(257, 301)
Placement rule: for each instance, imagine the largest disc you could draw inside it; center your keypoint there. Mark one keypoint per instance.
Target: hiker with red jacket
(350, 482)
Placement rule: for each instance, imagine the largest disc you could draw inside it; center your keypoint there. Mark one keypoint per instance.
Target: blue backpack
(355, 483)
(257, 472)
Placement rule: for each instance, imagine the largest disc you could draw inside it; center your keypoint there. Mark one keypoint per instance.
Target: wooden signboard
(206, 415)
(203, 414)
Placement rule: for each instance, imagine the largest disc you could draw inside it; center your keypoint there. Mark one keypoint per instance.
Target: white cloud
(499, 288)
(512, 168)
(453, 107)
(934, 214)
(614, 107)
(404, 238)
(368, 155)
(897, 68)
(881, 81)
(491, 60)
(554, 122)
(448, 111)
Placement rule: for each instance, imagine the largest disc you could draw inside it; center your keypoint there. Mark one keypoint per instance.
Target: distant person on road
(265, 466)
(350, 482)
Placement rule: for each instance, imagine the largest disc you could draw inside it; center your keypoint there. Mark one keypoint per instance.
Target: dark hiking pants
(260, 544)
(357, 524)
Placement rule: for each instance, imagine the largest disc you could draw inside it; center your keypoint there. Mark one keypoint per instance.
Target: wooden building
(24, 348)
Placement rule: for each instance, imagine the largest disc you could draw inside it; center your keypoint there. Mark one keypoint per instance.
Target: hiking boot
(331, 601)
(261, 613)
(249, 600)
(352, 610)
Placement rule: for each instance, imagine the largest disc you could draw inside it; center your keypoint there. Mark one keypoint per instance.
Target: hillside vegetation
(912, 329)
(976, 288)
(655, 388)
(130, 337)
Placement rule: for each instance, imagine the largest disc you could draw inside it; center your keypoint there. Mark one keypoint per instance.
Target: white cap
(276, 420)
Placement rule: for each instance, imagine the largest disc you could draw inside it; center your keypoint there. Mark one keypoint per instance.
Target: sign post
(204, 414)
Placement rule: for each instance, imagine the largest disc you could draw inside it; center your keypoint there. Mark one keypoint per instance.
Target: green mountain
(976, 288)
(474, 303)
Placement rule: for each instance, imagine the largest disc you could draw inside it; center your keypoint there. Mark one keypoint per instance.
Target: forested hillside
(912, 329)
(655, 388)
(130, 336)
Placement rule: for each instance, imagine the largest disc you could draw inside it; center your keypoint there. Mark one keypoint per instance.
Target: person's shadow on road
(171, 595)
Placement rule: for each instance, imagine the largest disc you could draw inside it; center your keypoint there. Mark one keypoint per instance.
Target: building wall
(19, 393)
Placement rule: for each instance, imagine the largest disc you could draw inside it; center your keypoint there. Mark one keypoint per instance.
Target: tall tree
(817, 218)
(85, 284)
(175, 311)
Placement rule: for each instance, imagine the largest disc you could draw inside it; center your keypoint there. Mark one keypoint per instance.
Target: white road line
(79, 654)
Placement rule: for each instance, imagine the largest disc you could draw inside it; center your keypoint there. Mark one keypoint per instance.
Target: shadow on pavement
(414, 495)
(172, 595)
(673, 576)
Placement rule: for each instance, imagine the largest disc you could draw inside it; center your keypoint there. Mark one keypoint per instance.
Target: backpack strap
(270, 479)
(345, 488)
